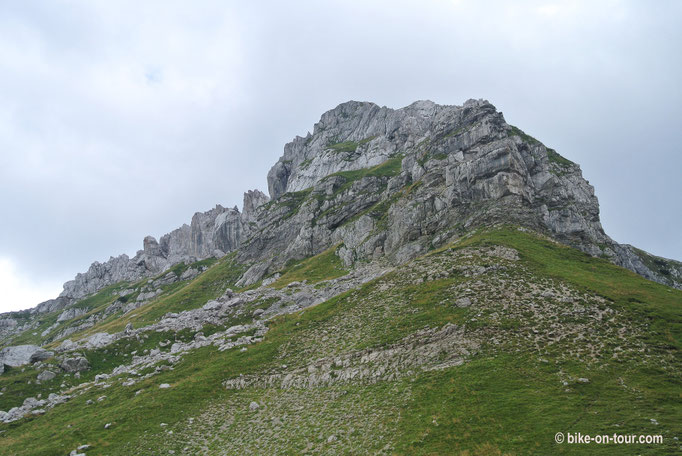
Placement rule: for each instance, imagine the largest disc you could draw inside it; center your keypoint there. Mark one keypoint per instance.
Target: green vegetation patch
(209, 285)
(515, 131)
(348, 146)
(656, 264)
(292, 201)
(325, 266)
(502, 400)
(389, 168)
(643, 299)
(96, 302)
(554, 157)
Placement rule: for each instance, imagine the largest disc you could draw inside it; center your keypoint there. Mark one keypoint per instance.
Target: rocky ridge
(395, 183)
(210, 234)
(381, 184)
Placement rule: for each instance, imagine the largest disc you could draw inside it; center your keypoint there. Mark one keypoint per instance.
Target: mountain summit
(401, 254)
(392, 183)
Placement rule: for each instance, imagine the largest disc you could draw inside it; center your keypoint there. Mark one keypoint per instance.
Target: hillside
(429, 280)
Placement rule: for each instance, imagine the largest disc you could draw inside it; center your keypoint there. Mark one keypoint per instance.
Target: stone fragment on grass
(46, 376)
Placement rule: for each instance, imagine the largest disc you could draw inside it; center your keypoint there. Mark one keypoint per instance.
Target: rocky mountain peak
(253, 199)
(357, 135)
(464, 165)
(387, 182)
(399, 246)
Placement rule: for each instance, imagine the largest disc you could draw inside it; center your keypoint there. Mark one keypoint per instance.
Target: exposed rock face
(46, 376)
(202, 231)
(381, 182)
(31, 405)
(253, 199)
(99, 340)
(71, 313)
(7, 323)
(175, 245)
(75, 364)
(7, 326)
(52, 304)
(100, 275)
(210, 233)
(459, 167)
(227, 231)
(379, 134)
(21, 355)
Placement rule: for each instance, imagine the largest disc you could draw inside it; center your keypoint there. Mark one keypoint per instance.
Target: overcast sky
(122, 119)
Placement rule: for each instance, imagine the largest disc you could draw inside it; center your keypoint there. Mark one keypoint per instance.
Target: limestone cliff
(389, 183)
(438, 171)
(211, 233)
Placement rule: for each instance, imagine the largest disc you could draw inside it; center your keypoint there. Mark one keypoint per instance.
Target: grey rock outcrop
(378, 183)
(8, 323)
(202, 232)
(352, 136)
(253, 200)
(99, 340)
(71, 313)
(46, 375)
(7, 326)
(74, 364)
(21, 355)
(99, 275)
(211, 233)
(398, 182)
(227, 231)
(52, 305)
(31, 405)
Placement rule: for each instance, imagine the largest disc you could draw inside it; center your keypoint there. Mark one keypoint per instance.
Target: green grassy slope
(533, 327)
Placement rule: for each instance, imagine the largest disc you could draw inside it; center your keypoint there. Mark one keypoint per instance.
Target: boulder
(99, 340)
(21, 355)
(71, 313)
(67, 345)
(190, 273)
(45, 376)
(463, 302)
(41, 355)
(75, 364)
(212, 305)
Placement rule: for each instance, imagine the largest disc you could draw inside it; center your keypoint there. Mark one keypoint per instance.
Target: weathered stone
(99, 340)
(190, 273)
(71, 313)
(67, 345)
(46, 375)
(23, 354)
(211, 305)
(463, 302)
(437, 171)
(75, 364)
